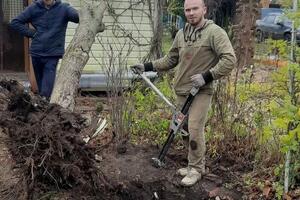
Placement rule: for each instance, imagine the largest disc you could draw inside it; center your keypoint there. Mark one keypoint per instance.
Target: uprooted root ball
(45, 143)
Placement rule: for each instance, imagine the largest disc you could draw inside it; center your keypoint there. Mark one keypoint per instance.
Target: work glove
(138, 68)
(198, 80)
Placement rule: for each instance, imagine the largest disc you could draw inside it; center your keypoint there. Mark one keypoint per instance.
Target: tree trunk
(244, 31)
(77, 54)
(238, 16)
(264, 3)
(157, 28)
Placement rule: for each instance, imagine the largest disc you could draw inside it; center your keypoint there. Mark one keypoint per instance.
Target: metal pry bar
(155, 89)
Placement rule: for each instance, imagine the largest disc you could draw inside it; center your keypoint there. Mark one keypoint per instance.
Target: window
(270, 19)
(278, 19)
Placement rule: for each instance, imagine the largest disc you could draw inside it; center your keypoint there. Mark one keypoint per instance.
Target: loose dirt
(45, 157)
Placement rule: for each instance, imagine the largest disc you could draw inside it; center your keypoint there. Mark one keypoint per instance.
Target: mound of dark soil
(45, 143)
(53, 162)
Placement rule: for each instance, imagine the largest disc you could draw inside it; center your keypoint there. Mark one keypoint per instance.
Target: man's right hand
(138, 68)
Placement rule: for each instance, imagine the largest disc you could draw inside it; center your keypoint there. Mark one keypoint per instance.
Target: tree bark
(1, 38)
(77, 53)
(240, 17)
(157, 28)
(244, 31)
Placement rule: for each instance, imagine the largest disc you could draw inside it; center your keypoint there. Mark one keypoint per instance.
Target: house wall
(133, 21)
(264, 3)
(11, 44)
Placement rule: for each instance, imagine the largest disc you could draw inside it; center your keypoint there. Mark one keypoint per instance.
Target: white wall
(133, 20)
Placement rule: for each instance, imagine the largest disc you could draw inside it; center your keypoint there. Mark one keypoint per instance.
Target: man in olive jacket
(202, 53)
(49, 19)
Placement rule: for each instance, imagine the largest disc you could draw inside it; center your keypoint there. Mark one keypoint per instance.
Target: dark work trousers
(45, 72)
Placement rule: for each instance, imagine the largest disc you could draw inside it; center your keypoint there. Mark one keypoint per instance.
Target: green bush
(151, 116)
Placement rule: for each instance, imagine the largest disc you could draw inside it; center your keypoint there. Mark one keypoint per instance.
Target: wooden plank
(105, 39)
(1, 40)
(126, 25)
(124, 4)
(115, 31)
(28, 63)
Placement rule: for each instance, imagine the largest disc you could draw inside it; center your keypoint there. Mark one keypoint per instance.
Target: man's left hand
(198, 80)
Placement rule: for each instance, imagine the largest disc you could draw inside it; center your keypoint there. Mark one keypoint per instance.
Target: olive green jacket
(206, 50)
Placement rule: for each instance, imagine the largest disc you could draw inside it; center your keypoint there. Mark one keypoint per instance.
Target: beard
(195, 21)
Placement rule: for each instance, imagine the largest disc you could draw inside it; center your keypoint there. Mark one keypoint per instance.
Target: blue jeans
(45, 72)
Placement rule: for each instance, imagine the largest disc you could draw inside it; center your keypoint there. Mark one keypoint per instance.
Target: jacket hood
(41, 3)
(208, 22)
(191, 33)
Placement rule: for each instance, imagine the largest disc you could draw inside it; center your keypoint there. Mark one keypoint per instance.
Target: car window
(279, 19)
(269, 19)
(288, 23)
(283, 19)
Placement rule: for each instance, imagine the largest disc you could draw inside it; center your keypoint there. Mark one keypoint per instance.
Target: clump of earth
(44, 156)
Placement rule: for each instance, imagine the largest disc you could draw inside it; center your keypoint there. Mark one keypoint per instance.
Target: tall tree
(77, 53)
(157, 28)
(175, 7)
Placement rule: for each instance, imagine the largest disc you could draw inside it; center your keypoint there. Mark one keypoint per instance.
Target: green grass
(261, 49)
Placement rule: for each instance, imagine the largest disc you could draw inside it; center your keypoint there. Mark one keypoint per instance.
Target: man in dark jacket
(49, 19)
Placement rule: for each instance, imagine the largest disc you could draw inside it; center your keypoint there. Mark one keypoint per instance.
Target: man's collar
(201, 24)
(48, 7)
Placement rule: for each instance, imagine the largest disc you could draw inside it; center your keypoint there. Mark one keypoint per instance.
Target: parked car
(267, 11)
(275, 26)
